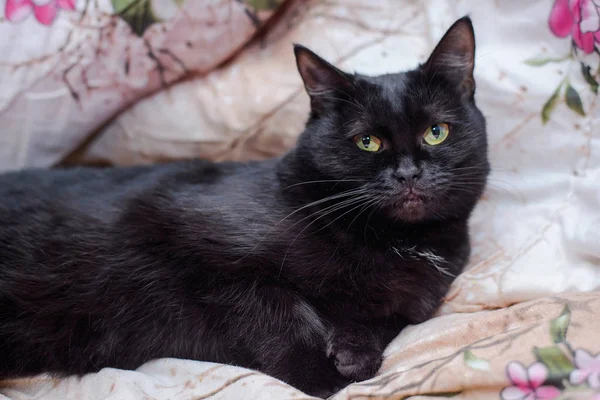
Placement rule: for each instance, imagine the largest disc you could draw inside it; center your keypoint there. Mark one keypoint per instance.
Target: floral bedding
(522, 321)
(68, 66)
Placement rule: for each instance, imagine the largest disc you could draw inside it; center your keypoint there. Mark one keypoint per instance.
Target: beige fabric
(68, 66)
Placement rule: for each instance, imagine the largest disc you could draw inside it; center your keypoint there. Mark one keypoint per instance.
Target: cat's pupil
(366, 141)
(435, 131)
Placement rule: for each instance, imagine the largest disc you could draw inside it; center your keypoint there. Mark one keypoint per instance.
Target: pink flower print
(588, 368)
(580, 18)
(527, 383)
(46, 13)
(18, 10)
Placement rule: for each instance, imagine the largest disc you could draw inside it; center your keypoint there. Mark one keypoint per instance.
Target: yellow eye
(367, 142)
(436, 134)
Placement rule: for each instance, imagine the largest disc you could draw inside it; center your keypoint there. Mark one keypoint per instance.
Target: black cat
(302, 267)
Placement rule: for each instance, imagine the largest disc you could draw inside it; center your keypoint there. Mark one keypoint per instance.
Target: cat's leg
(356, 351)
(357, 348)
(307, 368)
(287, 339)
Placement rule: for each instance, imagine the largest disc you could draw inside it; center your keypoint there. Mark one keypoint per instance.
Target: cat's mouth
(411, 206)
(413, 198)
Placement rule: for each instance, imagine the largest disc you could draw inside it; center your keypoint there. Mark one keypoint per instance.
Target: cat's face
(412, 144)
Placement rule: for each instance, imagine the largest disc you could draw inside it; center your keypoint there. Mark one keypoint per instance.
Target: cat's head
(413, 144)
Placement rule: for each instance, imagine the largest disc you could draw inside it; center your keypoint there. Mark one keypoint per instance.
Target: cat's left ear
(454, 56)
(321, 79)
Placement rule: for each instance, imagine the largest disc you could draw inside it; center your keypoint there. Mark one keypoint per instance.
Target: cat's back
(85, 183)
(37, 189)
(95, 189)
(48, 210)
(33, 199)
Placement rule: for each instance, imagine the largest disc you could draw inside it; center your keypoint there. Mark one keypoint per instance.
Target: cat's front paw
(357, 363)
(355, 353)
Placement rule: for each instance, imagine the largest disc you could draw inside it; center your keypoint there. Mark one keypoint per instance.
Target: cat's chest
(407, 280)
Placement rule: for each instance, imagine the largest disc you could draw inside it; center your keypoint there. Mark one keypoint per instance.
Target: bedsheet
(522, 321)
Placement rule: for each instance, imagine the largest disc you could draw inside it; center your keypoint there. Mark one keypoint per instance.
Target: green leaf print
(560, 325)
(558, 364)
(585, 70)
(475, 362)
(573, 100)
(550, 105)
(140, 14)
(264, 4)
(539, 61)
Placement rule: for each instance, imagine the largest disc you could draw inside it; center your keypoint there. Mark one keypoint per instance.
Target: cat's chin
(410, 212)
(412, 208)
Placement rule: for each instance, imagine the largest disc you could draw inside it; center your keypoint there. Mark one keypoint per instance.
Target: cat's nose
(408, 176)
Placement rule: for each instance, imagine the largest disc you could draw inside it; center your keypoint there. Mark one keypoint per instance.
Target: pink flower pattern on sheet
(45, 13)
(588, 369)
(527, 384)
(578, 18)
(580, 21)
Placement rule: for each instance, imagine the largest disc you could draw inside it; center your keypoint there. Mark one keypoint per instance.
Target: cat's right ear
(321, 79)
(454, 56)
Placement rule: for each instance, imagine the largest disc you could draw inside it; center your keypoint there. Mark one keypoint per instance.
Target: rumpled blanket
(68, 66)
(522, 321)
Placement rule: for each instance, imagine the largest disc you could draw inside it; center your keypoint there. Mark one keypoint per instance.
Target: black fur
(250, 264)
